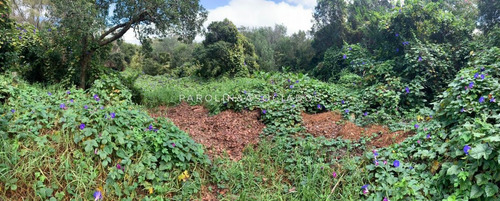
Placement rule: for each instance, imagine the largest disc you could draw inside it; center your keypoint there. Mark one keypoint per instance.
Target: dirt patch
(227, 131)
(331, 125)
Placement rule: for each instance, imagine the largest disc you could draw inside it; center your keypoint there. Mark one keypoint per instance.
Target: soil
(227, 132)
(331, 125)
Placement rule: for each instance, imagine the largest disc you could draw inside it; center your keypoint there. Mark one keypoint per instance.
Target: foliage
(112, 145)
(226, 52)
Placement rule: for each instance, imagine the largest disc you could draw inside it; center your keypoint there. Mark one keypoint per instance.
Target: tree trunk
(84, 63)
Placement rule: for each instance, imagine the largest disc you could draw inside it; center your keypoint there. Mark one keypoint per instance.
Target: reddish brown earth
(227, 131)
(331, 125)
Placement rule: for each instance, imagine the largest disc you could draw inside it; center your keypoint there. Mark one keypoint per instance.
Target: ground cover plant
(379, 100)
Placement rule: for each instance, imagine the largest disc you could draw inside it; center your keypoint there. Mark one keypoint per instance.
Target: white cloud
(257, 13)
(130, 37)
(294, 14)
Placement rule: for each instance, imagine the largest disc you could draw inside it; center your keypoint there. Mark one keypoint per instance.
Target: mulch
(331, 125)
(228, 131)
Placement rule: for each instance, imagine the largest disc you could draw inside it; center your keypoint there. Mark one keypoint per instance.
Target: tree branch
(124, 28)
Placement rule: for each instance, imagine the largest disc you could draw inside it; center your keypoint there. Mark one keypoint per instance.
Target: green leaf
(476, 191)
(491, 189)
(453, 170)
(482, 150)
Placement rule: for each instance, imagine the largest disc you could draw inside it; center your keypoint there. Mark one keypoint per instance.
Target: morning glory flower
(397, 35)
(492, 100)
(288, 80)
(385, 199)
(62, 105)
(346, 111)
(12, 110)
(82, 126)
(344, 57)
(314, 94)
(102, 107)
(411, 167)
(319, 106)
(419, 59)
(462, 110)
(264, 111)
(297, 81)
(466, 149)
(49, 30)
(97, 195)
(396, 163)
(96, 97)
(291, 86)
(150, 127)
(365, 188)
(481, 99)
(418, 141)
(113, 115)
(428, 136)
(397, 49)
(365, 114)
(86, 107)
(482, 76)
(334, 175)
(375, 153)
(68, 92)
(275, 94)
(72, 101)
(173, 144)
(471, 84)
(245, 92)
(416, 126)
(482, 69)
(50, 94)
(407, 90)
(376, 162)
(476, 75)
(350, 48)
(342, 101)
(118, 166)
(293, 106)
(385, 162)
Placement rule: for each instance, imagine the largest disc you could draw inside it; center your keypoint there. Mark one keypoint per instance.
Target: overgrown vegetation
(432, 67)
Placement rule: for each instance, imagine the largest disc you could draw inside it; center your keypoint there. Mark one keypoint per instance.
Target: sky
(294, 14)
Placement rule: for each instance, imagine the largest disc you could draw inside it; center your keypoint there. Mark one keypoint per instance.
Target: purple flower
(293, 106)
(476, 75)
(113, 115)
(376, 162)
(481, 99)
(344, 57)
(334, 175)
(86, 107)
(365, 188)
(343, 102)
(49, 30)
(466, 149)
(288, 80)
(297, 81)
(419, 59)
(314, 94)
(462, 110)
(319, 106)
(118, 166)
(20, 37)
(411, 167)
(365, 114)
(12, 110)
(97, 195)
(275, 94)
(396, 163)
(492, 100)
(471, 84)
(62, 105)
(375, 153)
(346, 111)
(82, 126)
(397, 49)
(173, 144)
(50, 94)
(68, 92)
(150, 127)
(385, 199)
(482, 69)
(418, 141)
(71, 100)
(397, 35)
(407, 90)
(291, 86)
(350, 48)
(245, 92)
(482, 76)
(416, 126)
(385, 162)
(102, 107)
(264, 111)
(428, 136)
(96, 97)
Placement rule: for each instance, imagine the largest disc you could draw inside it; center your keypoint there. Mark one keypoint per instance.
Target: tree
(226, 52)
(489, 14)
(30, 11)
(95, 24)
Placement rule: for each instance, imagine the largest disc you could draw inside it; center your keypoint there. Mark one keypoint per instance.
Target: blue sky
(294, 14)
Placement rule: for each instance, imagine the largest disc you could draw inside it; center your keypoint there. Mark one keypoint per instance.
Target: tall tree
(489, 14)
(30, 11)
(96, 23)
